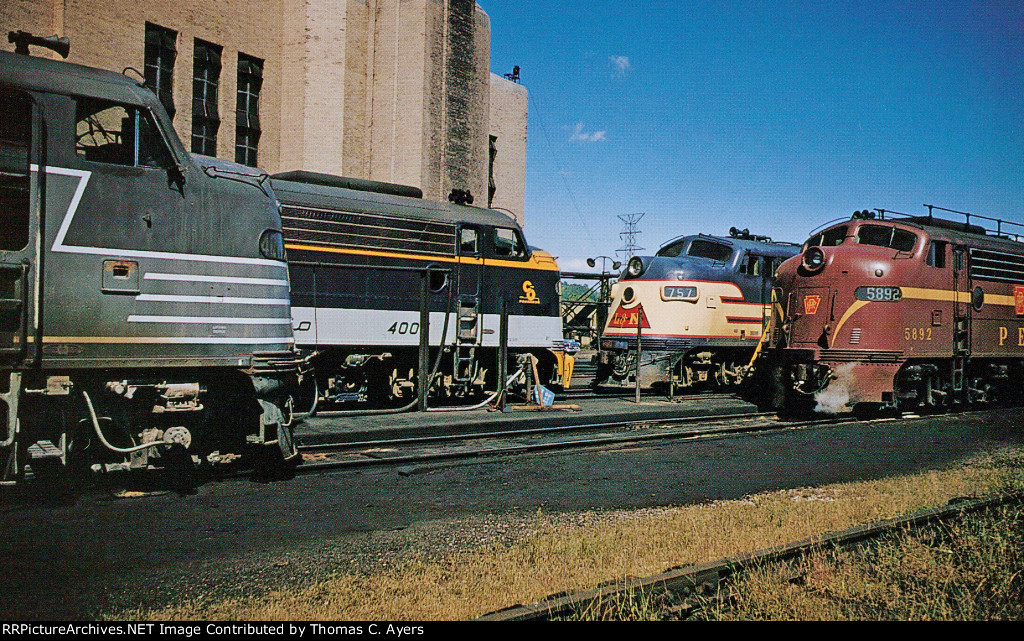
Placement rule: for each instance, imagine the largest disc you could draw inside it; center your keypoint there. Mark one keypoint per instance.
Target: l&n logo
(629, 318)
(811, 304)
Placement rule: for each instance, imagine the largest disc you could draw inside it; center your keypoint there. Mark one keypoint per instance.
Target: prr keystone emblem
(811, 304)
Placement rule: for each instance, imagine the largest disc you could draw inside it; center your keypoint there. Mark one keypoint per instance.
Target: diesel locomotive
(371, 261)
(701, 304)
(893, 311)
(144, 302)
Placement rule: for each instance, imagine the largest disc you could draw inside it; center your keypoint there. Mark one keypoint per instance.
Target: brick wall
(392, 90)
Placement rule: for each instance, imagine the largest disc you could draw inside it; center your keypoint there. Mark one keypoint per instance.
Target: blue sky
(773, 116)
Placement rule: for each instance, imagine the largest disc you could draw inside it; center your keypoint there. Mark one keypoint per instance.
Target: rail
(707, 577)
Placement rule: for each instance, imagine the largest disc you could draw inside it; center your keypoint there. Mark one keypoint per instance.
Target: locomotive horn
(461, 197)
(22, 40)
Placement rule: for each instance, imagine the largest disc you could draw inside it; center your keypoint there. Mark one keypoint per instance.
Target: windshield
(886, 236)
(827, 238)
(672, 249)
(707, 249)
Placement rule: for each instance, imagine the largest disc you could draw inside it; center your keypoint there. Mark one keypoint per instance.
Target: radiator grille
(351, 230)
(998, 266)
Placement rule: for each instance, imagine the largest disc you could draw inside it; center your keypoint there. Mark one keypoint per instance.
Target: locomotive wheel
(181, 471)
(277, 462)
(868, 411)
(307, 396)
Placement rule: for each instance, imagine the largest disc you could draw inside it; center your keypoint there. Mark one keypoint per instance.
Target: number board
(879, 294)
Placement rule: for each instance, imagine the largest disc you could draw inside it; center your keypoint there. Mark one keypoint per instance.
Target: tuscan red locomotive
(893, 311)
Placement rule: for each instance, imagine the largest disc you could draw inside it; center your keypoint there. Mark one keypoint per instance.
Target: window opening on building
(205, 81)
(161, 51)
(247, 113)
(492, 188)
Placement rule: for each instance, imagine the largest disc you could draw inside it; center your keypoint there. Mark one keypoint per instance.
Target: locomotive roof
(766, 248)
(950, 230)
(318, 195)
(55, 76)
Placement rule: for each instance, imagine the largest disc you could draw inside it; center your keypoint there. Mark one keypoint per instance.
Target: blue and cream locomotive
(144, 297)
(701, 303)
(367, 259)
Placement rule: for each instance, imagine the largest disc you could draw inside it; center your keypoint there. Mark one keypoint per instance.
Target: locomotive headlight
(814, 259)
(272, 245)
(635, 267)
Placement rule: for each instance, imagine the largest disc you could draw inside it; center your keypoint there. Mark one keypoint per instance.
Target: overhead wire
(561, 173)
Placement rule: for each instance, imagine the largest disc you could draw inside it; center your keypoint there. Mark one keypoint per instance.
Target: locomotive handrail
(998, 231)
(967, 216)
(826, 224)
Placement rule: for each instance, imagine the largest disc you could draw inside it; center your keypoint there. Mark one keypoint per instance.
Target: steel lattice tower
(628, 236)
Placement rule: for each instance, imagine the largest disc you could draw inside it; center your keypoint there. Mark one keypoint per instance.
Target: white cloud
(621, 66)
(580, 136)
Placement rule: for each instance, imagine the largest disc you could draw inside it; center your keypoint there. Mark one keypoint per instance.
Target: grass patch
(557, 559)
(966, 570)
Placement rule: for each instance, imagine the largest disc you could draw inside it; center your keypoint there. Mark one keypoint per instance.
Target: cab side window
(937, 253)
(118, 134)
(468, 241)
(508, 244)
(751, 265)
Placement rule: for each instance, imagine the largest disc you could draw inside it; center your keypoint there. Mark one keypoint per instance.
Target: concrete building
(389, 90)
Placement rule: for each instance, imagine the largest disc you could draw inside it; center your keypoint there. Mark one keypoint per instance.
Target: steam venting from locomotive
(835, 397)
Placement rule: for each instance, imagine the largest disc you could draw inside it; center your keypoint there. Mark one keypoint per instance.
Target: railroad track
(410, 451)
(706, 579)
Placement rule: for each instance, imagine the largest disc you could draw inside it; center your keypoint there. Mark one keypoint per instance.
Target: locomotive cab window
(672, 249)
(507, 243)
(886, 236)
(15, 143)
(118, 134)
(707, 249)
(937, 253)
(827, 238)
(468, 241)
(751, 265)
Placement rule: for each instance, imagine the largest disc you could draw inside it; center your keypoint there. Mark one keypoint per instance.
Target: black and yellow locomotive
(369, 259)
